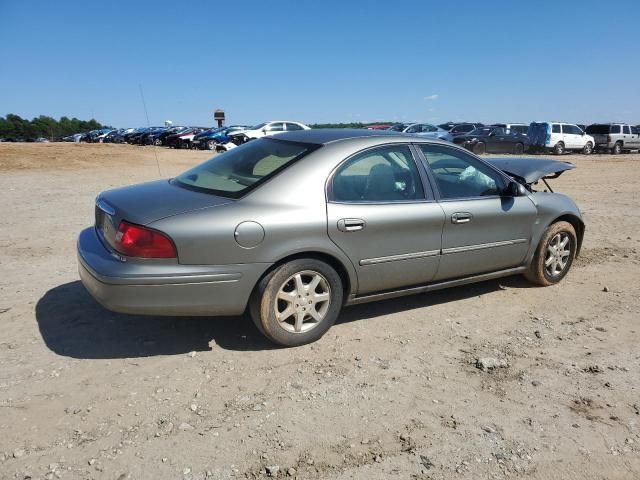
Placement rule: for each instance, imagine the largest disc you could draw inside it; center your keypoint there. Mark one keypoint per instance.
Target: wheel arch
(349, 281)
(577, 224)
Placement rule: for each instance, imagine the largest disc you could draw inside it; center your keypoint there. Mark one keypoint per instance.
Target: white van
(559, 137)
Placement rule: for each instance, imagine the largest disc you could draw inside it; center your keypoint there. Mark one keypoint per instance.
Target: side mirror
(515, 189)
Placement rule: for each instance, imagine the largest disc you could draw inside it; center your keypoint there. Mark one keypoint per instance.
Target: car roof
(323, 136)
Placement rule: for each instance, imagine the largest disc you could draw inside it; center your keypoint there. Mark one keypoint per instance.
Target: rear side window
(236, 172)
(293, 126)
(615, 129)
(634, 130)
(555, 128)
(385, 174)
(626, 130)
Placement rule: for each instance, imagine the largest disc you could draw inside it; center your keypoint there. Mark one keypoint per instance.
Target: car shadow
(73, 324)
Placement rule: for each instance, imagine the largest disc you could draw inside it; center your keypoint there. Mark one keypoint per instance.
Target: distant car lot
(511, 138)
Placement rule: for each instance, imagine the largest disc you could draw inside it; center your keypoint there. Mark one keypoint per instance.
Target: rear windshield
(598, 129)
(236, 172)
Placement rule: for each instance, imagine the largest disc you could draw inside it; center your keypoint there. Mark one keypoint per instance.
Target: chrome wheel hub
(302, 301)
(558, 253)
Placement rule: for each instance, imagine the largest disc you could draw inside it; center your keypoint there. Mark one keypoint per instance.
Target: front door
(380, 215)
(483, 230)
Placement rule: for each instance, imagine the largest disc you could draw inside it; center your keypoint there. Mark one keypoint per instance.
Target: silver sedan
(293, 227)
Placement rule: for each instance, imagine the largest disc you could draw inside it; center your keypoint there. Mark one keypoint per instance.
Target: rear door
(382, 215)
(627, 139)
(635, 137)
(483, 230)
(569, 136)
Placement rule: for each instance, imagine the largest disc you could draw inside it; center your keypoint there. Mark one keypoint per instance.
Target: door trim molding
(356, 300)
(400, 257)
(482, 246)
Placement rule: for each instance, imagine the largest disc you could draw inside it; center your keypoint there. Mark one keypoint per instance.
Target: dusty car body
(295, 226)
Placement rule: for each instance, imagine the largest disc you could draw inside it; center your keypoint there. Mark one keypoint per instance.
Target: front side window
(276, 127)
(236, 172)
(626, 130)
(385, 174)
(634, 130)
(459, 175)
(293, 126)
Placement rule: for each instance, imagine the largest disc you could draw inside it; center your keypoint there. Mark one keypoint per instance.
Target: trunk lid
(145, 203)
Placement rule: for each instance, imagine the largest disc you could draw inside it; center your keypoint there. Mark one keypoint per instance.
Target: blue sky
(321, 61)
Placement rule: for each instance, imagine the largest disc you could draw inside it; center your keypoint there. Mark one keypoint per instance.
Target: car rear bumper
(161, 287)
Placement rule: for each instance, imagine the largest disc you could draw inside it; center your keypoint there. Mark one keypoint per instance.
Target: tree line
(13, 126)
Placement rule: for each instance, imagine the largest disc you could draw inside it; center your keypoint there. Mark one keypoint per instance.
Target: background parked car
(614, 137)
(265, 129)
(428, 130)
(209, 139)
(492, 140)
(456, 129)
(558, 137)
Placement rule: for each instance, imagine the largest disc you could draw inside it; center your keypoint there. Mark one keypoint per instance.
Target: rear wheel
(617, 148)
(157, 142)
(559, 148)
(480, 148)
(554, 255)
(518, 149)
(211, 145)
(588, 149)
(297, 302)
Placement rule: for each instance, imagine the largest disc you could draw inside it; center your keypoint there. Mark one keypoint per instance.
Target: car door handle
(461, 217)
(351, 224)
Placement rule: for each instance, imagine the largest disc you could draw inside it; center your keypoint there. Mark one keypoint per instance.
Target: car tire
(157, 142)
(559, 148)
(211, 145)
(554, 255)
(479, 148)
(588, 149)
(283, 300)
(617, 149)
(518, 149)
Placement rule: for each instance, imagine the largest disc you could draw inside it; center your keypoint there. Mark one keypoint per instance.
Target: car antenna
(155, 148)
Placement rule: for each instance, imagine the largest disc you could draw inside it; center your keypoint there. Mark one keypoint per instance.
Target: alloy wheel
(302, 301)
(558, 254)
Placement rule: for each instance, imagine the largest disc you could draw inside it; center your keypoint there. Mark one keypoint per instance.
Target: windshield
(398, 127)
(234, 173)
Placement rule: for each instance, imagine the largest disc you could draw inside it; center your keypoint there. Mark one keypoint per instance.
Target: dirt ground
(392, 391)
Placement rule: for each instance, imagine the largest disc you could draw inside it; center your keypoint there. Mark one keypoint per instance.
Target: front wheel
(554, 255)
(297, 302)
(518, 149)
(211, 145)
(480, 148)
(617, 149)
(588, 149)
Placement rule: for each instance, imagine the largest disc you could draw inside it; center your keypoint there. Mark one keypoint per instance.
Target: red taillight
(137, 241)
